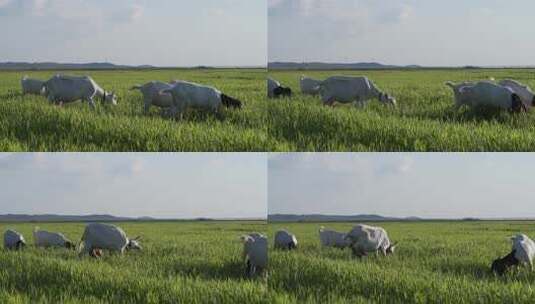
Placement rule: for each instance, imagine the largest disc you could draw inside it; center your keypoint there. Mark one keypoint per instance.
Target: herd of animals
(173, 97)
(365, 239)
(506, 94)
(362, 239)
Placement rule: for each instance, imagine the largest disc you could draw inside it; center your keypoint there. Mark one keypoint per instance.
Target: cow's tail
(135, 87)
(80, 246)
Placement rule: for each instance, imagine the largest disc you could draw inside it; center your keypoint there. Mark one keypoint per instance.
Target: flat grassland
(181, 262)
(30, 123)
(435, 262)
(423, 121)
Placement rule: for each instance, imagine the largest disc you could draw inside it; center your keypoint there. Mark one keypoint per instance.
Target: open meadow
(424, 119)
(181, 262)
(30, 123)
(435, 262)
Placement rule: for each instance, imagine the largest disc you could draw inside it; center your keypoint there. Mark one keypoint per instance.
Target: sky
(161, 185)
(429, 185)
(402, 32)
(135, 32)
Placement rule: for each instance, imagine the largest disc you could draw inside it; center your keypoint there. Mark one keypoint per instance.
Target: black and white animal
(153, 95)
(192, 95)
(486, 93)
(255, 253)
(522, 252)
(349, 89)
(65, 89)
(32, 86)
(46, 239)
(106, 236)
(285, 240)
(309, 86)
(13, 240)
(331, 238)
(275, 90)
(367, 239)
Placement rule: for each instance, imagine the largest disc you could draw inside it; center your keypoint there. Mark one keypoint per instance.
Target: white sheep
(45, 239)
(309, 86)
(106, 236)
(349, 89)
(255, 253)
(369, 239)
(152, 94)
(285, 240)
(191, 95)
(331, 238)
(13, 240)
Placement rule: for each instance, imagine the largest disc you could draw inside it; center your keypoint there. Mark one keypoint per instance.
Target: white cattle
(348, 89)
(524, 92)
(309, 86)
(285, 240)
(275, 90)
(45, 239)
(13, 240)
(31, 85)
(106, 236)
(192, 95)
(369, 239)
(522, 252)
(152, 94)
(331, 238)
(64, 89)
(255, 253)
(485, 93)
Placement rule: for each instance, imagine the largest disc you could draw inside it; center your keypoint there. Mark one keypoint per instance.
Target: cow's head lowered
(387, 99)
(110, 98)
(133, 244)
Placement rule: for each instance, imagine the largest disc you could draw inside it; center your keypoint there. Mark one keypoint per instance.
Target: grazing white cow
(45, 239)
(275, 90)
(348, 89)
(192, 95)
(31, 86)
(485, 93)
(106, 236)
(255, 253)
(524, 92)
(309, 86)
(369, 239)
(285, 240)
(64, 89)
(522, 252)
(13, 240)
(331, 238)
(152, 94)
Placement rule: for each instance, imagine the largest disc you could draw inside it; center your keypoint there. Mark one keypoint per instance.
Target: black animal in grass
(276, 90)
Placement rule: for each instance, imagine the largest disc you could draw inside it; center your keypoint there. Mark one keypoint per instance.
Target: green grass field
(423, 121)
(30, 123)
(435, 262)
(182, 262)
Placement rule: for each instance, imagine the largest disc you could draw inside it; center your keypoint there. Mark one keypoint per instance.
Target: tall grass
(435, 262)
(187, 262)
(424, 119)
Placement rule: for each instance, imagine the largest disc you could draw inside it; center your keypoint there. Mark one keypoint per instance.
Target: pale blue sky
(135, 32)
(431, 185)
(162, 185)
(424, 32)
